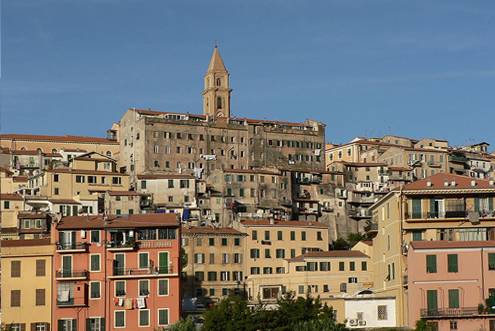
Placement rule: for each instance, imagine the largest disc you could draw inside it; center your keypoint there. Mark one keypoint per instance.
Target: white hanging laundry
(141, 303)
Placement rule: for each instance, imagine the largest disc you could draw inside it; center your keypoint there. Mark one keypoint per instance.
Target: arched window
(219, 82)
(219, 102)
(54, 150)
(109, 154)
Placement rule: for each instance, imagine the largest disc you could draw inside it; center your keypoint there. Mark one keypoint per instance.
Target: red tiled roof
(64, 201)
(367, 242)
(85, 172)
(10, 196)
(165, 176)
(63, 139)
(442, 244)
(283, 223)
(399, 168)
(74, 150)
(20, 179)
(210, 230)
(118, 222)
(30, 215)
(438, 183)
(330, 254)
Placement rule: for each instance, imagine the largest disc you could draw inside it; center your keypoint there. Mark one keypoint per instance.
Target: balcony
(358, 214)
(129, 245)
(143, 273)
(454, 312)
(371, 227)
(72, 275)
(71, 247)
(449, 214)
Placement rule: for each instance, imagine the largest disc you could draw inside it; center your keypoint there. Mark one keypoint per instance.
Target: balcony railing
(118, 245)
(371, 227)
(142, 272)
(72, 274)
(448, 214)
(452, 312)
(71, 246)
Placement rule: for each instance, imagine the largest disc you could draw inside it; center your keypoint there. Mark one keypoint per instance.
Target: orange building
(116, 273)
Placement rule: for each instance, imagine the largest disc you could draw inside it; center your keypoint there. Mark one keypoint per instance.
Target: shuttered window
(163, 285)
(431, 263)
(491, 261)
(40, 297)
(95, 262)
(431, 300)
(453, 298)
(15, 298)
(15, 268)
(416, 208)
(40, 268)
(452, 263)
(162, 316)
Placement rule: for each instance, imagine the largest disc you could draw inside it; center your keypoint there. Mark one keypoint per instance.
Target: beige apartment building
(172, 192)
(10, 206)
(324, 274)
(26, 284)
(215, 262)
(443, 207)
(269, 243)
(76, 188)
(123, 202)
(154, 142)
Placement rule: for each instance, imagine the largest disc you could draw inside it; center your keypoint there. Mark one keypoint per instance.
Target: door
(163, 262)
(66, 266)
(119, 264)
(431, 302)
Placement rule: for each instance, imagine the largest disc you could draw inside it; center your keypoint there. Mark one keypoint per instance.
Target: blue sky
(414, 68)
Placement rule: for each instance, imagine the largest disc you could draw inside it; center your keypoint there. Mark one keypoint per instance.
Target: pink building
(116, 273)
(448, 281)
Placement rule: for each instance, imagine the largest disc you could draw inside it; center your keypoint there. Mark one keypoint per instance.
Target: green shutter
(416, 208)
(491, 261)
(454, 298)
(431, 300)
(452, 263)
(433, 212)
(88, 324)
(163, 262)
(74, 325)
(476, 204)
(102, 323)
(431, 263)
(490, 203)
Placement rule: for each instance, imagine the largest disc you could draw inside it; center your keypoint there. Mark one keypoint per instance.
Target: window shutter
(88, 324)
(74, 325)
(476, 204)
(432, 208)
(454, 298)
(47, 325)
(431, 263)
(15, 269)
(23, 326)
(102, 324)
(431, 298)
(452, 263)
(40, 268)
(60, 324)
(33, 327)
(490, 203)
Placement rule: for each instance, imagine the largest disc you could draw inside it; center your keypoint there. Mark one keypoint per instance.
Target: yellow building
(10, 206)
(26, 284)
(270, 243)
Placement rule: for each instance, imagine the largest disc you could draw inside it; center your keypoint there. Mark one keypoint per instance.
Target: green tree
(184, 325)
(230, 314)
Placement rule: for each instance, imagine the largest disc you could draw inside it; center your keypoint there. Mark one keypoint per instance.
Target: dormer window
(219, 82)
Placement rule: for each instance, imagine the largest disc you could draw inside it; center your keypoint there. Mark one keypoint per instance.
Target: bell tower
(216, 93)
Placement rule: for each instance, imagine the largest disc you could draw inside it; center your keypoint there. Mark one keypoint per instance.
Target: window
(95, 324)
(15, 268)
(162, 316)
(280, 253)
(267, 270)
(212, 276)
(199, 258)
(352, 280)
(67, 324)
(352, 266)
(453, 298)
(255, 253)
(280, 235)
(453, 325)
(143, 260)
(40, 268)
(80, 179)
(224, 241)
(417, 235)
(55, 178)
(199, 276)
(6, 205)
(303, 235)
(211, 241)
(116, 180)
(119, 288)
(143, 184)
(431, 263)
(364, 266)
(144, 287)
(452, 263)
(381, 312)
(237, 241)
(95, 236)
(343, 287)
(94, 264)
(144, 317)
(56, 191)
(292, 253)
(292, 235)
(324, 266)
(268, 254)
(119, 319)
(225, 258)
(15, 298)
(491, 261)
(163, 287)
(40, 297)
(267, 235)
(341, 266)
(319, 236)
(94, 290)
(254, 235)
(224, 275)
(255, 270)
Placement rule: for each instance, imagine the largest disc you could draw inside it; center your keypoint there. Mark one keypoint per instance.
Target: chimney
(452, 183)
(428, 183)
(446, 183)
(473, 183)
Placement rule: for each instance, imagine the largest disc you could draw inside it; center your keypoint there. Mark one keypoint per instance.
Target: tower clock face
(220, 114)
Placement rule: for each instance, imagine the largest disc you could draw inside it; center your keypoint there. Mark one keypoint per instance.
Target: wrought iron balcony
(71, 275)
(71, 247)
(136, 273)
(119, 245)
(452, 312)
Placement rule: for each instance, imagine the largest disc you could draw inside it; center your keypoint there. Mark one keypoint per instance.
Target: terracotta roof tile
(438, 183)
(67, 138)
(283, 223)
(10, 196)
(119, 222)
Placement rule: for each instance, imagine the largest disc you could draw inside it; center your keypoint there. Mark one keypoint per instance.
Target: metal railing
(119, 244)
(140, 272)
(70, 246)
(451, 312)
(72, 274)
(448, 214)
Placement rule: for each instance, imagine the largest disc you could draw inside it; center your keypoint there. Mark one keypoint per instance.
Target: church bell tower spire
(216, 92)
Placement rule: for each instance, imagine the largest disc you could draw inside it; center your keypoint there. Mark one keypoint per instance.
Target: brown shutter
(23, 326)
(33, 326)
(40, 268)
(15, 298)
(47, 326)
(40, 297)
(15, 268)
